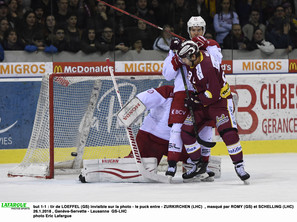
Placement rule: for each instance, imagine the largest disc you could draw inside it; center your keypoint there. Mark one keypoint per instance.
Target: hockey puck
(73, 153)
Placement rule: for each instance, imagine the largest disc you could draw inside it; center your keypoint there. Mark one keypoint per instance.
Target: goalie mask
(196, 21)
(187, 49)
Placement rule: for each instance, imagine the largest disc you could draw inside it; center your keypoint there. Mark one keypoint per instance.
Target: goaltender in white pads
(156, 123)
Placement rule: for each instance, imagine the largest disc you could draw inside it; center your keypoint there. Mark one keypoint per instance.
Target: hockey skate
(205, 177)
(198, 169)
(241, 173)
(171, 169)
(210, 176)
(82, 178)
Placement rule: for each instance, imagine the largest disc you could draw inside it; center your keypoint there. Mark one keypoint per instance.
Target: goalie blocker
(124, 170)
(131, 112)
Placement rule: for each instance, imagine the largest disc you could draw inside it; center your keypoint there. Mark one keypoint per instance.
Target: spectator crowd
(90, 26)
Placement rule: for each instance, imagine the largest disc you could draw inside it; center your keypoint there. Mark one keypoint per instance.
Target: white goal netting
(76, 119)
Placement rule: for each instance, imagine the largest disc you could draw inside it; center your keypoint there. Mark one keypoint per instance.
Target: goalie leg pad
(121, 170)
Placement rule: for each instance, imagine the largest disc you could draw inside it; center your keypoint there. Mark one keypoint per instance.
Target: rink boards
(266, 115)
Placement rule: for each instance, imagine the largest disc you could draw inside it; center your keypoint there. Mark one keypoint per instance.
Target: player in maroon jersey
(172, 71)
(211, 101)
(154, 134)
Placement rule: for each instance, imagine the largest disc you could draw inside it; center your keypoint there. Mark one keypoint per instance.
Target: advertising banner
(156, 66)
(260, 66)
(139, 66)
(267, 106)
(17, 112)
(293, 65)
(227, 66)
(236, 66)
(19, 106)
(80, 67)
(25, 69)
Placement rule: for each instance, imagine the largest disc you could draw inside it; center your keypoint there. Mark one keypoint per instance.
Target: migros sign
(139, 66)
(24, 69)
(260, 66)
(144, 67)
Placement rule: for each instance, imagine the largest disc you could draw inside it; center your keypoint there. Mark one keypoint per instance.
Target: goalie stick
(132, 141)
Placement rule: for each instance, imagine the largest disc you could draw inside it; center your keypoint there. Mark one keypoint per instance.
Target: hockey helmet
(187, 49)
(196, 21)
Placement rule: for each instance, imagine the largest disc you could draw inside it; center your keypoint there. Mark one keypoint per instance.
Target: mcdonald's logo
(58, 69)
(293, 67)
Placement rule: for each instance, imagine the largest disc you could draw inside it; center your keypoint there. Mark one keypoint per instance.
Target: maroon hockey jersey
(209, 80)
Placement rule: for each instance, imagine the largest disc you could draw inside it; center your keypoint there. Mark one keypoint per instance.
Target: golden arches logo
(293, 67)
(58, 69)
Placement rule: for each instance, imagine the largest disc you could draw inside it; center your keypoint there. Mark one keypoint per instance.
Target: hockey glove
(193, 101)
(175, 44)
(201, 41)
(176, 62)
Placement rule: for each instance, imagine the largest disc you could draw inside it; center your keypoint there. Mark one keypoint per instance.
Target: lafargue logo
(14, 205)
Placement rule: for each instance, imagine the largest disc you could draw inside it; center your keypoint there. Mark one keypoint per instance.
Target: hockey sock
(191, 145)
(231, 139)
(188, 137)
(235, 152)
(193, 150)
(172, 163)
(175, 142)
(205, 153)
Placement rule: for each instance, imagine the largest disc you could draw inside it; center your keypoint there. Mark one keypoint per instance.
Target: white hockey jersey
(169, 74)
(158, 102)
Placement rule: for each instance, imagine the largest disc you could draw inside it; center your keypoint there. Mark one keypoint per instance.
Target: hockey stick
(199, 140)
(202, 142)
(136, 17)
(132, 141)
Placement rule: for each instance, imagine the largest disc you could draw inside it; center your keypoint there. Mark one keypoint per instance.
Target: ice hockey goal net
(76, 119)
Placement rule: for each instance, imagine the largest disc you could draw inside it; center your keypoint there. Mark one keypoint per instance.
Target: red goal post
(76, 119)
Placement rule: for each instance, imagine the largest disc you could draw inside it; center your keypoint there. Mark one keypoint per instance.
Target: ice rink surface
(273, 181)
